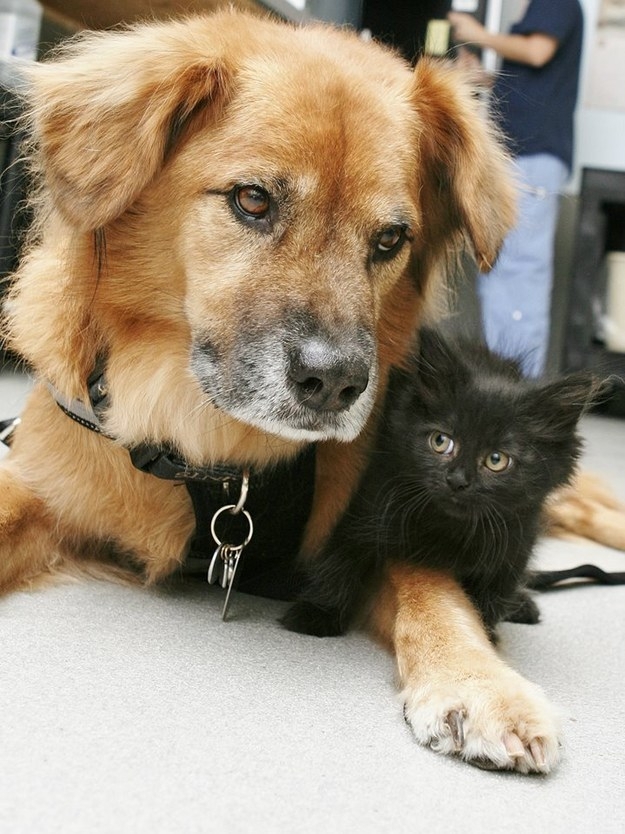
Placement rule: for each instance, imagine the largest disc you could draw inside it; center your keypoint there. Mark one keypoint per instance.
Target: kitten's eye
(441, 443)
(497, 461)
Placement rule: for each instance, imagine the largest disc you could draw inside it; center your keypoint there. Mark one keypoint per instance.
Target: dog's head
(271, 203)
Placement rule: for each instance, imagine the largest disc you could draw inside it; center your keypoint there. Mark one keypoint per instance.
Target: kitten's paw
(523, 610)
(502, 722)
(308, 618)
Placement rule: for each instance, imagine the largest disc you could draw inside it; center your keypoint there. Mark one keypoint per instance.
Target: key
(228, 565)
(215, 569)
(233, 563)
(231, 558)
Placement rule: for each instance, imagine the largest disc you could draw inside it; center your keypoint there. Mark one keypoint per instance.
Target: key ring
(231, 508)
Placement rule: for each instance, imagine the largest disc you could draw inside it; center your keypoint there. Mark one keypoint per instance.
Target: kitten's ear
(563, 401)
(432, 353)
(437, 359)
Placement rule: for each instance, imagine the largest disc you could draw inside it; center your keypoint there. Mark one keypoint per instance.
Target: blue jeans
(515, 297)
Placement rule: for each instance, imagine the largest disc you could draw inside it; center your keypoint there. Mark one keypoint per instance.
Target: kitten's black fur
(428, 496)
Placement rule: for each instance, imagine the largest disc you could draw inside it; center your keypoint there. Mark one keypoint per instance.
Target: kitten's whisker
(402, 506)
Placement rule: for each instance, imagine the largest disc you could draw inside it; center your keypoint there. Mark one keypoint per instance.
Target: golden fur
(140, 252)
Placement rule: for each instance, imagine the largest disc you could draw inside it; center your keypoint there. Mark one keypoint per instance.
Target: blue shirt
(534, 105)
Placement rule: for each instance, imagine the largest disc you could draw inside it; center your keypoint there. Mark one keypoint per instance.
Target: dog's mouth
(306, 389)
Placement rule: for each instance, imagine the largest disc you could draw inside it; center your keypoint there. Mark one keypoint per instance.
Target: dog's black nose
(326, 378)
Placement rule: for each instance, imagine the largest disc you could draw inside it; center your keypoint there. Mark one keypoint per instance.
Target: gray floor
(139, 711)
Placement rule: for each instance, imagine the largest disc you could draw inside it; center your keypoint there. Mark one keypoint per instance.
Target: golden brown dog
(247, 221)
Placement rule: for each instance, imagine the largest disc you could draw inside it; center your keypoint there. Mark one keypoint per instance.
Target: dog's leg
(459, 696)
(27, 546)
(72, 503)
(587, 509)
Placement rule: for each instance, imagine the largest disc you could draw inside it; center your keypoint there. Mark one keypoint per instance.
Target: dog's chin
(308, 427)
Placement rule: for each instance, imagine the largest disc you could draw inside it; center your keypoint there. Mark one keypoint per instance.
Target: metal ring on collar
(231, 508)
(245, 484)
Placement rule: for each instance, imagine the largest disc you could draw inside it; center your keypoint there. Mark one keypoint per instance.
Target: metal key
(232, 564)
(231, 560)
(215, 569)
(223, 569)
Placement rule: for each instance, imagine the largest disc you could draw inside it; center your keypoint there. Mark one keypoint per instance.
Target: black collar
(150, 458)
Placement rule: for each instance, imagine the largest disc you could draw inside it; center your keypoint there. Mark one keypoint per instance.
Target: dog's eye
(252, 201)
(389, 241)
(441, 443)
(497, 461)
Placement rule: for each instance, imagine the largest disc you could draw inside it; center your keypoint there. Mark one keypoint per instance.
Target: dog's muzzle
(299, 383)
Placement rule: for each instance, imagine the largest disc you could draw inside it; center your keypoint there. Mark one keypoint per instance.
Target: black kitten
(467, 453)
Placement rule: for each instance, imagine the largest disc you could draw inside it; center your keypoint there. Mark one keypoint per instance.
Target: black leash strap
(543, 580)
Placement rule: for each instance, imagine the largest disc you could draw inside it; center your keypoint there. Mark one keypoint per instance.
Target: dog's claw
(514, 746)
(455, 722)
(536, 749)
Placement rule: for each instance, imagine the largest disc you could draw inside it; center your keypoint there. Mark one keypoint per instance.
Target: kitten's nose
(457, 480)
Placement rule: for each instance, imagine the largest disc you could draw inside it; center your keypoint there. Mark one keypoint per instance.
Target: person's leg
(515, 297)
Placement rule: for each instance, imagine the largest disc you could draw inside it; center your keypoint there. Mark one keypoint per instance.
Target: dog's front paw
(499, 722)
(308, 618)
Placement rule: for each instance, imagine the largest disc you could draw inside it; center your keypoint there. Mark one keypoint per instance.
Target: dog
(243, 222)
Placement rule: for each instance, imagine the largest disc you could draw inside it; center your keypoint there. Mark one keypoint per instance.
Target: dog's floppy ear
(105, 113)
(466, 183)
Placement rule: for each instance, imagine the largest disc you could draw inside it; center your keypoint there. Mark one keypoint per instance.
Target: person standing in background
(533, 101)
